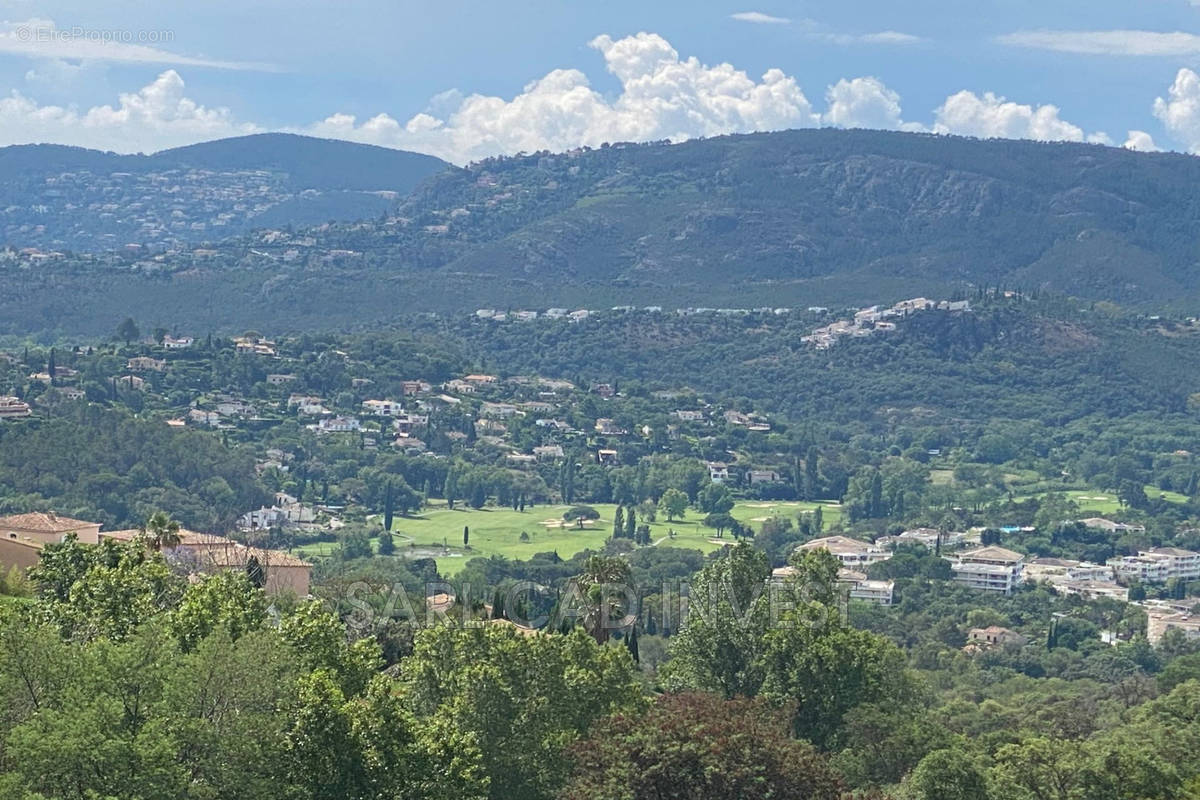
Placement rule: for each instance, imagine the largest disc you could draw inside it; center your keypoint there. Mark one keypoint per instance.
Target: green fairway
(1098, 502)
(438, 532)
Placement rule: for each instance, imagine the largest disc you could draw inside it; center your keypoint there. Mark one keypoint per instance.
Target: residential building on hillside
(852, 553)
(1159, 620)
(1100, 523)
(47, 528)
(992, 569)
(857, 585)
(145, 363)
(863, 588)
(718, 471)
(12, 408)
(994, 636)
(1158, 565)
(383, 408)
(207, 552)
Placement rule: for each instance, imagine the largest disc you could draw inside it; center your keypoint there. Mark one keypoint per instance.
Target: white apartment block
(991, 569)
(852, 553)
(1158, 565)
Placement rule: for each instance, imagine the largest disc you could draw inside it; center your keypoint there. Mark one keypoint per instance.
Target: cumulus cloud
(1141, 141)
(862, 103)
(1179, 112)
(663, 96)
(156, 116)
(760, 18)
(992, 116)
(40, 38)
(1107, 43)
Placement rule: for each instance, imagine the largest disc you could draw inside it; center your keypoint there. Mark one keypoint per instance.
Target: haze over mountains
(72, 198)
(791, 218)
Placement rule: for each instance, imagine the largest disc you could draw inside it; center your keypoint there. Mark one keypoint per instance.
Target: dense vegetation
(120, 679)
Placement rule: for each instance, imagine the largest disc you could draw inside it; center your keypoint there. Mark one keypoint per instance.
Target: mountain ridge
(794, 218)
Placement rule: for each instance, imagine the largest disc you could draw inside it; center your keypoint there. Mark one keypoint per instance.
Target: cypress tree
(498, 604)
(388, 507)
(631, 644)
(466, 535)
(876, 496)
(619, 523)
(387, 545)
(631, 524)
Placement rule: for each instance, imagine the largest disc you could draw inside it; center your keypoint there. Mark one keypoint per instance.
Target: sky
(467, 79)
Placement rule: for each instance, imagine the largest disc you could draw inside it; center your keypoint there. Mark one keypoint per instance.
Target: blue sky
(453, 78)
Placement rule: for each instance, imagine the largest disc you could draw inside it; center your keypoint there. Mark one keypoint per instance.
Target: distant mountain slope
(71, 198)
(796, 218)
(812, 215)
(800, 207)
(309, 163)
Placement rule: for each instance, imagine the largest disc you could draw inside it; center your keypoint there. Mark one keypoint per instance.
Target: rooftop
(43, 522)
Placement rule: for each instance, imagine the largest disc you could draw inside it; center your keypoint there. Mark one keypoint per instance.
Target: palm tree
(161, 532)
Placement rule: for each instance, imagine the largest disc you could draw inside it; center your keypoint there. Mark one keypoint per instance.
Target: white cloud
(862, 103)
(40, 38)
(156, 116)
(662, 97)
(760, 18)
(881, 37)
(1179, 112)
(991, 116)
(1140, 140)
(1109, 43)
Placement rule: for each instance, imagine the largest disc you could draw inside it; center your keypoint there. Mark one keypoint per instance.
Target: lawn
(438, 532)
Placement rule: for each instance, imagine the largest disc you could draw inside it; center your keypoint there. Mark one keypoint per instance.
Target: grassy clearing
(438, 532)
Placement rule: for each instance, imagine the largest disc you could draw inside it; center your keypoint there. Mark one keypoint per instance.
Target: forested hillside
(789, 218)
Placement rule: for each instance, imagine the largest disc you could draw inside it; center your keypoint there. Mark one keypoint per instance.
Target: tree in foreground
(700, 747)
(519, 700)
(729, 614)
